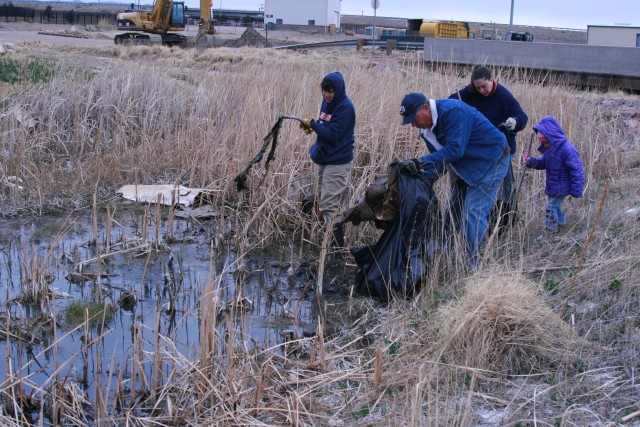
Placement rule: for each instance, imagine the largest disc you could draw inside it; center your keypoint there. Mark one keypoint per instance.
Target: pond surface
(49, 271)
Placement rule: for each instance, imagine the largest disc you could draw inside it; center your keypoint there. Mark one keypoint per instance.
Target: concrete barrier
(583, 64)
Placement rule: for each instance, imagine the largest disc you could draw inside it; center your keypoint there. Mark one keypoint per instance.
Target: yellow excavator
(165, 19)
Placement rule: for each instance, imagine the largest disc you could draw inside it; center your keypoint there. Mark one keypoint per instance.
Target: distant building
(613, 35)
(385, 32)
(302, 12)
(252, 18)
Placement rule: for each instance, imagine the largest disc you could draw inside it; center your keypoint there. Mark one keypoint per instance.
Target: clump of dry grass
(501, 324)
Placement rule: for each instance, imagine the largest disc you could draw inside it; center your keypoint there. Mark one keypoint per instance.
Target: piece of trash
(169, 194)
(631, 212)
(201, 212)
(271, 138)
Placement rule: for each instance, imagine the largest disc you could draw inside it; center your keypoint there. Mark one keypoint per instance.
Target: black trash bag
(396, 263)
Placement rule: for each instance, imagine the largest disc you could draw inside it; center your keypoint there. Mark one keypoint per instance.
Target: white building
(302, 12)
(613, 35)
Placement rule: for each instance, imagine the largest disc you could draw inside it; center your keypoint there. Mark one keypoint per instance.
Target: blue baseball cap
(411, 103)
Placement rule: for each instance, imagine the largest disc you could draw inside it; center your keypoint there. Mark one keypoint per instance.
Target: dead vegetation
(501, 324)
(547, 333)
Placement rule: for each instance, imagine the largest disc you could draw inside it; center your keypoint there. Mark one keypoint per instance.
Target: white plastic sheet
(169, 194)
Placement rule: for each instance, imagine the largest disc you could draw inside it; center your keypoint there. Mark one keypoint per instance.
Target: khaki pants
(333, 185)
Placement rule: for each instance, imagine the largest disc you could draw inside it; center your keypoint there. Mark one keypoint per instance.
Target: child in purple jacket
(565, 175)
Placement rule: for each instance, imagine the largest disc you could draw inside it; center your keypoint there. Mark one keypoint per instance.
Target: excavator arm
(205, 25)
(204, 38)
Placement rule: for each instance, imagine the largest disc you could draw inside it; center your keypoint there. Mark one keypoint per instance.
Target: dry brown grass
(501, 324)
(487, 350)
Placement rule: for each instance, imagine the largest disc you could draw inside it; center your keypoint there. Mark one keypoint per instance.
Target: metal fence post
(391, 44)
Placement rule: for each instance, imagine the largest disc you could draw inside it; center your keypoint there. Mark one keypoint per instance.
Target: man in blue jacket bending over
(462, 141)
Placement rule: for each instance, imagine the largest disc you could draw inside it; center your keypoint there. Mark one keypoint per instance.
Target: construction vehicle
(520, 36)
(448, 29)
(165, 19)
(488, 34)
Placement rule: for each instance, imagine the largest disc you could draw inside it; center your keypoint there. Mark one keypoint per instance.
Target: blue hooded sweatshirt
(334, 127)
(565, 175)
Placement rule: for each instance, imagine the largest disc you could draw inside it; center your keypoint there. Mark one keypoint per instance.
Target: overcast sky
(547, 13)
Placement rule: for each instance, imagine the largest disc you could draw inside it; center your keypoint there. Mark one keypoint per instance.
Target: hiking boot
(335, 260)
(337, 241)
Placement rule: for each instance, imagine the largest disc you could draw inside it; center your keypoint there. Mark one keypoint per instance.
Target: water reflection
(258, 298)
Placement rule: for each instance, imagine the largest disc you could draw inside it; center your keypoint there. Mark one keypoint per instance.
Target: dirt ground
(35, 36)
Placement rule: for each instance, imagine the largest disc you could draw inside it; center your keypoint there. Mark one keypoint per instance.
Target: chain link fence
(9, 13)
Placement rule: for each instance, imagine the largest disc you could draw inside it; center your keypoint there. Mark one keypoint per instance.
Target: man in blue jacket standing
(333, 149)
(462, 141)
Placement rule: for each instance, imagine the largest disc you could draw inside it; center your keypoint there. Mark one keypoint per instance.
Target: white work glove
(511, 123)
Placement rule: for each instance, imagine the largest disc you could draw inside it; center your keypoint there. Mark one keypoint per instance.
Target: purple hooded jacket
(565, 176)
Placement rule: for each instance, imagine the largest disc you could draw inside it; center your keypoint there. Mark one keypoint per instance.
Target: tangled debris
(271, 138)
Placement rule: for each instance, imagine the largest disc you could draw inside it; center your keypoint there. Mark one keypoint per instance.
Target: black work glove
(411, 166)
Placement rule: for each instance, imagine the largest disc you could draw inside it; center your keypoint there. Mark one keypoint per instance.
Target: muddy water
(168, 283)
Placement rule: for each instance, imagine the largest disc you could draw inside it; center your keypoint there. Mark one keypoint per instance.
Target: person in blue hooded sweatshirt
(333, 150)
(565, 175)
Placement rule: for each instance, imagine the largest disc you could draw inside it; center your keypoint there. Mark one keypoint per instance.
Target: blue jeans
(555, 215)
(475, 203)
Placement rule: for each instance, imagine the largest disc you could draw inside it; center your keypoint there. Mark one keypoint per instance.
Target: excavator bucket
(204, 41)
(204, 38)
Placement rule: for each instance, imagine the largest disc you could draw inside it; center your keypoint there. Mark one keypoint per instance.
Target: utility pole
(510, 22)
(375, 4)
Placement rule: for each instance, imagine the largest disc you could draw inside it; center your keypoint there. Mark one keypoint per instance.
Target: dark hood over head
(339, 91)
